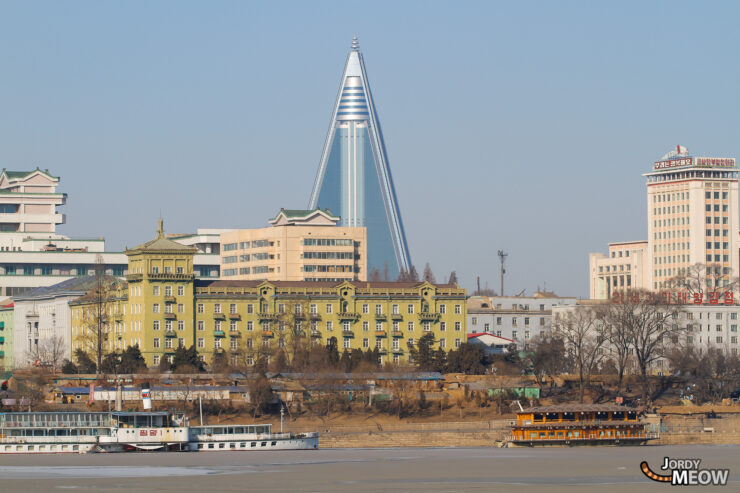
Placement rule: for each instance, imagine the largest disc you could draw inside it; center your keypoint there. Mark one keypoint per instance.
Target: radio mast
(502, 256)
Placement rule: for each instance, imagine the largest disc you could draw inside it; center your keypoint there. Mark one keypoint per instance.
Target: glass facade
(354, 179)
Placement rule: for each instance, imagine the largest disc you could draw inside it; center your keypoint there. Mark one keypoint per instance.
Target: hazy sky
(519, 125)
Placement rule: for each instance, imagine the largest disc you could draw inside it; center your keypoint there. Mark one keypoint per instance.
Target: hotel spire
(354, 179)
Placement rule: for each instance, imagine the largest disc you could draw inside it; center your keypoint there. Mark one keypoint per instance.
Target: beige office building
(300, 245)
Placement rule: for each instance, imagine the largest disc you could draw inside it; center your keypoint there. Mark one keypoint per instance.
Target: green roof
(294, 213)
(13, 175)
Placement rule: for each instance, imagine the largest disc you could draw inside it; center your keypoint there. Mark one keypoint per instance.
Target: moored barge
(579, 424)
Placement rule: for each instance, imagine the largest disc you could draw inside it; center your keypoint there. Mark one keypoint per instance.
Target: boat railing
(612, 438)
(578, 422)
(51, 439)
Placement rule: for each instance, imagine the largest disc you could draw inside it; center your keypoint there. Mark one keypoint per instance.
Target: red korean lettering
(714, 298)
(698, 298)
(681, 298)
(729, 298)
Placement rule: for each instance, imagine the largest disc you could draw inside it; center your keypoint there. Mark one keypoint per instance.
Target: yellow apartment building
(162, 307)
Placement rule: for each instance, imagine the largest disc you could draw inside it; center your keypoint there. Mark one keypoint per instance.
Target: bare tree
(547, 357)
(614, 317)
(96, 314)
(704, 281)
(650, 320)
(49, 354)
(428, 274)
(584, 341)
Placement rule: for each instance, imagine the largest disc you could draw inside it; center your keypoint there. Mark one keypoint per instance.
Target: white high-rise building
(692, 219)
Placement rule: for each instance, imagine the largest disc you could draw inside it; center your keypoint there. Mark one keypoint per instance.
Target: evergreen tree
(111, 363)
(453, 278)
(332, 352)
(186, 360)
(84, 363)
(345, 363)
(439, 362)
(423, 353)
(131, 360)
(356, 358)
(69, 368)
(413, 276)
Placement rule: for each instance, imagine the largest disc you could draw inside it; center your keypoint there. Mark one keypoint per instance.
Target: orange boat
(579, 424)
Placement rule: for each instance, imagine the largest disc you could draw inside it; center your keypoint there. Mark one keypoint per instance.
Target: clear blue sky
(519, 125)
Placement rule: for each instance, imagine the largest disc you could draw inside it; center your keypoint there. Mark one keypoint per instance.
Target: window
(250, 325)
(180, 270)
(365, 325)
(365, 343)
(155, 270)
(168, 290)
(458, 309)
(458, 326)
(474, 321)
(155, 325)
(443, 326)
(498, 320)
(250, 308)
(217, 325)
(201, 325)
(201, 342)
(378, 309)
(457, 343)
(394, 310)
(513, 334)
(180, 342)
(442, 309)
(168, 325)
(410, 309)
(180, 325)
(155, 360)
(329, 308)
(201, 308)
(442, 343)
(217, 343)
(396, 344)
(180, 308)
(168, 308)
(232, 308)
(395, 325)
(313, 309)
(155, 290)
(329, 325)
(526, 321)
(378, 325)
(155, 308)
(217, 308)
(346, 325)
(426, 326)
(411, 326)
(232, 325)
(233, 343)
(347, 343)
(379, 343)
(366, 308)
(156, 342)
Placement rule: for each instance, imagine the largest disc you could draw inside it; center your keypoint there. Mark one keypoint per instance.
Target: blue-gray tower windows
(354, 180)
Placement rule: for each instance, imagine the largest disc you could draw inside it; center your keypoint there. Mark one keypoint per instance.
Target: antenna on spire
(160, 228)
(355, 43)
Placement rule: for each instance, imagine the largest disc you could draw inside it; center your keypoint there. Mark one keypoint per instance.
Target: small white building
(490, 343)
(516, 318)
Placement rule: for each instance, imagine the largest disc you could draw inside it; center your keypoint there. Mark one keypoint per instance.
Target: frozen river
(403, 469)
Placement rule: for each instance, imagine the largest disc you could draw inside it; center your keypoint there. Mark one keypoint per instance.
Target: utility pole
(502, 256)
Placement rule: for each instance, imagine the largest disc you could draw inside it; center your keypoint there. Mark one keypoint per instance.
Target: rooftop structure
(301, 245)
(354, 178)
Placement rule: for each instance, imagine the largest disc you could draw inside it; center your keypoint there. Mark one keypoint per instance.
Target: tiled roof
(14, 175)
(76, 285)
(319, 284)
(577, 408)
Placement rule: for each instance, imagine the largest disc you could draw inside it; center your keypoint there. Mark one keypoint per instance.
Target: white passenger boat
(83, 432)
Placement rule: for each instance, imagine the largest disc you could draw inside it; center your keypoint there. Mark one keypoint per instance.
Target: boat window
(274, 443)
(569, 416)
(263, 444)
(618, 415)
(210, 445)
(243, 445)
(254, 444)
(200, 445)
(239, 429)
(232, 445)
(538, 416)
(221, 445)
